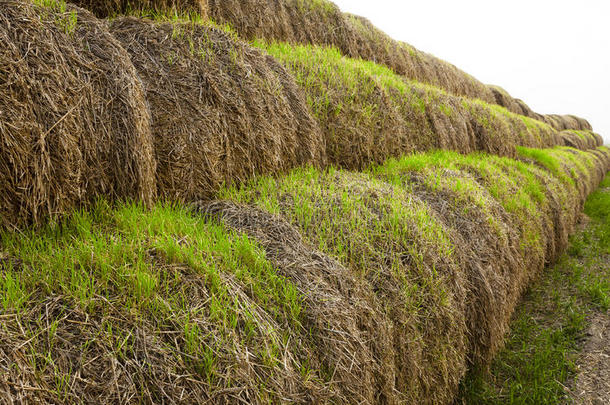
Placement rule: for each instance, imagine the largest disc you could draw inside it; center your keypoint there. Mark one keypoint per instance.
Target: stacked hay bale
(582, 139)
(375, 45)
(322, 23)
(73, 118)
(472, 230)
(502, 98)
(221, 110)
(405, 276)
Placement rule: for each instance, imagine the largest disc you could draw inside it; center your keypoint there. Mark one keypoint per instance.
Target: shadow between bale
(74, 124)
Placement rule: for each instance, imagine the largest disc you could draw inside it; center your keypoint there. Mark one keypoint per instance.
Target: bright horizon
(554, 55)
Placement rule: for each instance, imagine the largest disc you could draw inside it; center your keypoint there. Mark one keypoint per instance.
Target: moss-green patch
(64, 19)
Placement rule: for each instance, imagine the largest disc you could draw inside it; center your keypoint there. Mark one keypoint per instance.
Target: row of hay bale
(410, 272)
(318, 286)
(321, 22)
(369, 113)
(581, 139)
(517, 106)
(137, 109)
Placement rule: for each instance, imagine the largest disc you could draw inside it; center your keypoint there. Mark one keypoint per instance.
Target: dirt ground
(592, 383)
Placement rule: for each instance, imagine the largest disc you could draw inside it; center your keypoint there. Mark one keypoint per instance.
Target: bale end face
(75, 124)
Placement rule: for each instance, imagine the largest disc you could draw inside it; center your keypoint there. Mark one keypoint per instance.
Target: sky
(554, 55)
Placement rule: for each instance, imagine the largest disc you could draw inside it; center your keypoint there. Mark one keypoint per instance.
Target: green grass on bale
(142, 263)
(549, 325)
(412, 238)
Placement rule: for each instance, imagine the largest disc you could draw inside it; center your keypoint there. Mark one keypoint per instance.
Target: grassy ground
(548, 327)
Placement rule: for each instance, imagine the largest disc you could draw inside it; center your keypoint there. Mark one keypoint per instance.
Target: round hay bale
(344, 329)
(74, 124)
(221, 110)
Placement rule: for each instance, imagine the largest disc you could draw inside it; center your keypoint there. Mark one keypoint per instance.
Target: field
(230, 210)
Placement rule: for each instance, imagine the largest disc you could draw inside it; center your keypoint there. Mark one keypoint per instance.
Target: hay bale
(581, 139)
(293, 21)
(517, 106)
(322, 23)
(346, 330)
(502, 98)
(74, 124)
(395, 245)
(221, 110)
(378, 287)
(109, 8)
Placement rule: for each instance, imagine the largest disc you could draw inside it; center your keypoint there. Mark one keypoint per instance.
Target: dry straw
(221, 110)
(503, 220)
(73, 118)
(321, 22)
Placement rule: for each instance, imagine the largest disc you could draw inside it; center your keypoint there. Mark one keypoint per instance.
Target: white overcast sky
(555, 55)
